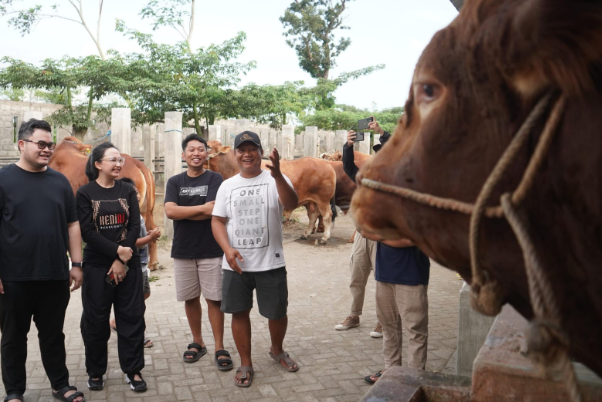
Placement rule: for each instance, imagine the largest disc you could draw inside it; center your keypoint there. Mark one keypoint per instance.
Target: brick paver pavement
(332, 363)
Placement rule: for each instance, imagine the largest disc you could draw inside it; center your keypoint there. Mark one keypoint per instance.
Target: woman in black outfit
(109, 217)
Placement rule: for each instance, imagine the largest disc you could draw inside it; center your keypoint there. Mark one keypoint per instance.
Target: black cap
(247, 136)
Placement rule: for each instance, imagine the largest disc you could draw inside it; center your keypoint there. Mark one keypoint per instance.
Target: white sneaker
(378, 331)
(350, 322)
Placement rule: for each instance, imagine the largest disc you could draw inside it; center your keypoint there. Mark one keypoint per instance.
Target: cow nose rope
(546, 339)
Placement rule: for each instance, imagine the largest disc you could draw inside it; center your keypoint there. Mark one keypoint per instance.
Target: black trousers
(128, 301)
(46, 302)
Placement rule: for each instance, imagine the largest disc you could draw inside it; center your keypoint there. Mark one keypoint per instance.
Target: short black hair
(27, 128)
(96, 155)
(193, 137)
(128, 181)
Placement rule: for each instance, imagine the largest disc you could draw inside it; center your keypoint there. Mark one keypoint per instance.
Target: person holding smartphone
(109, 217)
(363, 253)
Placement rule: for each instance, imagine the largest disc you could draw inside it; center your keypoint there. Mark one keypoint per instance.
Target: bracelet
(76, 264)
(119, 259)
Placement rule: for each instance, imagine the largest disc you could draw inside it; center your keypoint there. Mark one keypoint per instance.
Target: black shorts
(271, 288)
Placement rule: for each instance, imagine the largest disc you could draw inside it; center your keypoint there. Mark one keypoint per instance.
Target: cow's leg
(153, 254)
(320, 224)
(326, 213)
(312, 214)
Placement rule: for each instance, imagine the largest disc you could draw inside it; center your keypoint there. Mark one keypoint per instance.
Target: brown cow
(472, 89)
(69, 159)
(313, 180)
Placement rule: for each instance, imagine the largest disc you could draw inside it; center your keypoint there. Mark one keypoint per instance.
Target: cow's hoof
(322, 241)
(303, 237)
(320, 230)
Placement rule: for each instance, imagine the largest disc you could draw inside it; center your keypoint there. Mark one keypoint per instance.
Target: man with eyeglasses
(38, 224)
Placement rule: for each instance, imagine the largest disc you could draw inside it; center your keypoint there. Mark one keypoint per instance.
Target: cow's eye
(424, 93)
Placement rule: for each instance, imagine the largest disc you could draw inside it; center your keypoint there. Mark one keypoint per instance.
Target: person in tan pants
(402, 275)
(364, 250)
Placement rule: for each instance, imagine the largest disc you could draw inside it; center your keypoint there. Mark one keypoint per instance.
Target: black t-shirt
(35, 209)
(109, 218)
(193, 239)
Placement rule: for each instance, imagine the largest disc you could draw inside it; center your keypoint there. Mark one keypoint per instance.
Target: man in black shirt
(38, 223)
(363, 253)
(189, 200)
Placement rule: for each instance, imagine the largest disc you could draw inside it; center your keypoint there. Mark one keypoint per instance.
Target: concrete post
(32, 114)
(329, 143)
(310, 142)
(322, 141)
(148, 141)
(264, 137)
(340, 138)
(173, 155)
(121, 129)
(299, 141)
(364, 146)
(375, 142)
(472, 332)
(272, 141)
(215, 133)
(288, 142)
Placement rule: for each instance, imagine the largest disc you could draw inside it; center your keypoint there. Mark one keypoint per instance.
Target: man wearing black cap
(247, 224)
(363, 253)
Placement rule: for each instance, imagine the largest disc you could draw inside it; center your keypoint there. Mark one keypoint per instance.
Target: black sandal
(194, 356)
(136, 386)
(60, 394)
(220, 362)
(13, 396)
(95, 385)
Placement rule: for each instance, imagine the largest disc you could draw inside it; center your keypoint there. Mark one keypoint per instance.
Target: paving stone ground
(332, 363)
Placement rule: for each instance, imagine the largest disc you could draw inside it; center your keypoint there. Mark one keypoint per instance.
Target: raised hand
(275, 166)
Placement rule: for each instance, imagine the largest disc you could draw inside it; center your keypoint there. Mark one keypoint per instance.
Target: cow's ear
(552, 43)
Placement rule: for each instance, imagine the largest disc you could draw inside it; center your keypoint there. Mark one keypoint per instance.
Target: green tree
(311, 25)
(60, 80)
(172, 13)
(24, 19)
(344, 117)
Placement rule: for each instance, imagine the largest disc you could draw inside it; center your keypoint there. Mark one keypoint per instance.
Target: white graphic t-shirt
(254, 220)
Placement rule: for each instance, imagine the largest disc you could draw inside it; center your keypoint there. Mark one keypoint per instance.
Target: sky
(390, 32)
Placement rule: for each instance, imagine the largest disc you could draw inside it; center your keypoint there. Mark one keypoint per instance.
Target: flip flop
(245, 370)
(289, 362)
(194, 356)
(369, 379)
(148, 343)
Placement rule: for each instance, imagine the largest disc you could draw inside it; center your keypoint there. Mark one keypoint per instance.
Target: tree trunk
(79, 132)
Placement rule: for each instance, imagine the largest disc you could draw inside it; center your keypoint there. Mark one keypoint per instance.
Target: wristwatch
(76, 264)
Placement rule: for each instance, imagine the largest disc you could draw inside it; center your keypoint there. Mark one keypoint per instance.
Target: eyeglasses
(116, 161)
(43, 144)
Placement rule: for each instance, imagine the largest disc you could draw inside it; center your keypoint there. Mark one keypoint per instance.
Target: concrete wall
(473, 328)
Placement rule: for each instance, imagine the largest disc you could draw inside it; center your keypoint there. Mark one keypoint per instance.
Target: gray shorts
(271, 288)
(145, 282)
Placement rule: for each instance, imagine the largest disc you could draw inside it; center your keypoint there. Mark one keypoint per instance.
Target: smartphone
(363, 124)
(359, 136)
(111, 279)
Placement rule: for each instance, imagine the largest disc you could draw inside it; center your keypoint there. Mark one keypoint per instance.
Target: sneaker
(378, 331)
(350, 322)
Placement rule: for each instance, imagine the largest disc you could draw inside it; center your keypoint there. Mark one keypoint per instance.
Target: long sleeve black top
(108, 218)
(349, 165)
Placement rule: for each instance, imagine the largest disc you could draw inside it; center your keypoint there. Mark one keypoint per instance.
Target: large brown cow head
(473, 87)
